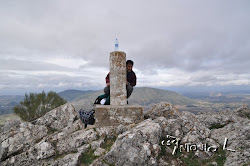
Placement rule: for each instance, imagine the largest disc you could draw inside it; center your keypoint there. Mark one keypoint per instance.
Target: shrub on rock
(36, 105)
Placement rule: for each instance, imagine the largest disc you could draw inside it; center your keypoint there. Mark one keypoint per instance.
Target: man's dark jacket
(131, 78)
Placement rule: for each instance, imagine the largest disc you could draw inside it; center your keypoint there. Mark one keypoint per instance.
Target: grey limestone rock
(98, 162)
(243, 111)
(108, 131)
(59, 117)
(238, 136)
(214, 163)
(61, 133)
(121, 129)
(233, 126)
(69, 160)
(137, 146)
(165, 109)
(42, 150)
(17, 137)
(99, 151)
(162, 162)
(75, 140)
(37, 143)
(97, 144)
(210, 118)
(188, 129)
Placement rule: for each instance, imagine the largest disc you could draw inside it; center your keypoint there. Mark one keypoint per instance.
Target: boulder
(165, 109)
(188, 129)
(97, 144)
(59, 117)
(69, 160)
(243, 111)
(17, 137)
(107, 131)
(42, 150)
(137, 146)
(121, 129)
(238, 136)
(221, 118)
(73, 141)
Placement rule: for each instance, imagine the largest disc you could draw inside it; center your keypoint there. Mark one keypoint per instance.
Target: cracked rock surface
(59, 138)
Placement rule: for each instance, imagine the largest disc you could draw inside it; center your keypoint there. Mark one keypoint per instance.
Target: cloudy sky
(60, 44)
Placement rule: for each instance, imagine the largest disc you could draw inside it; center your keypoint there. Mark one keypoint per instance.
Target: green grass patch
(191, 160)
(217, 126)
(98, 136)
(58, 155)
(108, 142)
(88, 157)
(38, 140)
(51, 130)
(247, 115)
(219, 157)
(163, 151)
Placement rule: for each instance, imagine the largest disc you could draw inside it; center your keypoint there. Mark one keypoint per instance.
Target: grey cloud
(54, 82)
(203, 78)
(194, 37)
(13, 64)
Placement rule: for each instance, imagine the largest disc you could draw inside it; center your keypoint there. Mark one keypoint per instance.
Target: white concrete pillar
(118, 78)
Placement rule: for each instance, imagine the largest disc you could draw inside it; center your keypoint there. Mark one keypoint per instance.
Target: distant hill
(146, 96)
(142, 95)
(70, 95)
(85, 99)
(7, 102)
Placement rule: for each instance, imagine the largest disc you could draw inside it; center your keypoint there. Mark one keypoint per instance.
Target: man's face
(129, 67)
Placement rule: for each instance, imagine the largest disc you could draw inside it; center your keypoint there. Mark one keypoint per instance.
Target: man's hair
(130, 62)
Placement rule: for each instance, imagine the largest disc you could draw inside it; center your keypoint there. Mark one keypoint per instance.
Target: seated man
(131, 79)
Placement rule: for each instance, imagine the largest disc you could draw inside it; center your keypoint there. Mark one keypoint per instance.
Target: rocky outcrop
(223, 118)
(55, 133)
(188, 128)
(238, 141)
(162, 109)
(137, 146)
(59, 138)
(243, 112)
(232, 127)
(58, 118)
(17, 137)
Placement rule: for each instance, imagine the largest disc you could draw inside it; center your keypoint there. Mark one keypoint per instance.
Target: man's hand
(127, 83)
(108, 84)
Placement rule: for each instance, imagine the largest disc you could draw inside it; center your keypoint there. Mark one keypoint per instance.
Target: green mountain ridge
(144, 96)
(72, 94)
(147, 96)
